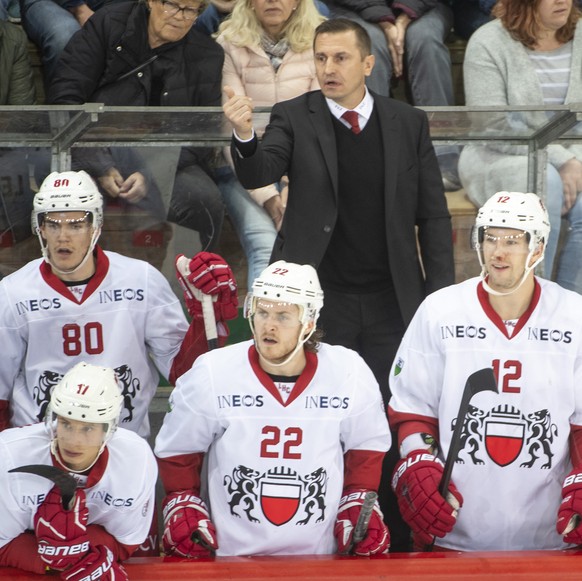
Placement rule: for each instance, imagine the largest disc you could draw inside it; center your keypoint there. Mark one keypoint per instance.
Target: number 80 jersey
(125, 314)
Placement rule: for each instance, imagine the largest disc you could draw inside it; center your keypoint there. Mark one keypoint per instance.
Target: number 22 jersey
(275, 468)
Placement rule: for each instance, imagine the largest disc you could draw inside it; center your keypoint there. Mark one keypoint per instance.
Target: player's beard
(279, 358)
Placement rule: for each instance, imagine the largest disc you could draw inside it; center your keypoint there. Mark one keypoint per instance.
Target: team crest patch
(279, 495)
(398, 366)
(505, 434)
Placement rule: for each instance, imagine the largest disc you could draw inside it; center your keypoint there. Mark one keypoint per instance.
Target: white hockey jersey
(275, 470)
(122, 500)
(128, 319)
(514, 451)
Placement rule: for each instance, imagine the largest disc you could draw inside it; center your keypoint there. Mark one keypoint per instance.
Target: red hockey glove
(570, 511)
(188, 530)
(377, 539)
(209, 274)
(61, 534)
(100, 564)
(416, 482)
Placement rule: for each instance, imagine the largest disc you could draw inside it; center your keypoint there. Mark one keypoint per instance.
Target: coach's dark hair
(337, 25)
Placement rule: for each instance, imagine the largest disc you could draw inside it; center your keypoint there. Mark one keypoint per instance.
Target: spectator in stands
(147, 53)
(531, 55)
(469, 15)
(16, 88)
(408, 43)
(50, 24)
(214, 13)
(269, 58)
(16, 81)
(218, 10)
(357, 193)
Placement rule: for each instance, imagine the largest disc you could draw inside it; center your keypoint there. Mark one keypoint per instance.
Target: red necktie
(352, 118)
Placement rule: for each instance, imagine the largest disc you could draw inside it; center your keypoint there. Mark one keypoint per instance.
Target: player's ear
(308, 328)
(537, 253)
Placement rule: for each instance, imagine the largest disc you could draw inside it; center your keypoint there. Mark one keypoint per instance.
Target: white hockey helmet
(87, 393)
(518, 211)
(69, 191)
(287, 282)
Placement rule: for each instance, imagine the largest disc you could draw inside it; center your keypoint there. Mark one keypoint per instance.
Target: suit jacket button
(327, 229)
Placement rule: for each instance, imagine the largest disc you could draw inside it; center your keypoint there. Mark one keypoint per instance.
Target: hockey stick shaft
(183, 269)
(361, 528)
(209, 322)
(482, 380)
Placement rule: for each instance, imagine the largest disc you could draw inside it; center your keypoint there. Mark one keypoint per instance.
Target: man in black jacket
(356, 199)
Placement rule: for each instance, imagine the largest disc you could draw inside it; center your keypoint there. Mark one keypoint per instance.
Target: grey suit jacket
(300, 141)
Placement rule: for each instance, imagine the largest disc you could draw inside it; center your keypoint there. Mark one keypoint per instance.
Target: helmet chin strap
(57, 455)
(527, 270)
(300, 343)
(45, 254)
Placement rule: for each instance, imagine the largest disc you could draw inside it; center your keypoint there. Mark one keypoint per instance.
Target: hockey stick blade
(482, 380)
(361, 528)
(65, 482)
(182, 266)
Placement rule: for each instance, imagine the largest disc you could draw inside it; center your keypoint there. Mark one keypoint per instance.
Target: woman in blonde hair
(268, 57)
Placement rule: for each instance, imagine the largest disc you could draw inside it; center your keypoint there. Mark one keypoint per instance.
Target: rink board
(533, 566)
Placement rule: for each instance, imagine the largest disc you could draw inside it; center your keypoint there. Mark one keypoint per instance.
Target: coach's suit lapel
(321, 120)
(391, 128)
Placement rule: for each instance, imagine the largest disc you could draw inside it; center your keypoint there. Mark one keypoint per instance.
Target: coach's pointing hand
(238, 109)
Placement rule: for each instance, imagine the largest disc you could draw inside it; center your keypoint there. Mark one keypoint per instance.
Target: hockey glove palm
(209, 274)
(570, 511)
(61, 534)
(377, 539)
(416, 482)
(100, 564)
(188, 530)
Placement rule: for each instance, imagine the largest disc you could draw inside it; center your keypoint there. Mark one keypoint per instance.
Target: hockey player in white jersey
(112, 507)
(517, 477)
(293, 430)
(82, 303)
